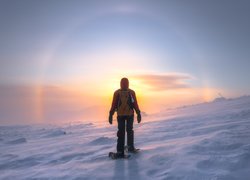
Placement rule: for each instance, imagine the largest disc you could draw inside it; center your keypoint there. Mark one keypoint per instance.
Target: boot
(120, 154)
(131, 149)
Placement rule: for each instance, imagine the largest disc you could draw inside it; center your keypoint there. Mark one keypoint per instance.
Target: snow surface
(205, 141)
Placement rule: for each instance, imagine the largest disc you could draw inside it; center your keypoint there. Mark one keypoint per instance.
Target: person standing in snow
(124, 103)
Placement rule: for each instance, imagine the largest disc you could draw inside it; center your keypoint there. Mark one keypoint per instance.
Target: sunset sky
(62, 60)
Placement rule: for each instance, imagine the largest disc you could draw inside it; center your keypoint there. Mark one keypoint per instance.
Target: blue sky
(200, 44)
(208, 39)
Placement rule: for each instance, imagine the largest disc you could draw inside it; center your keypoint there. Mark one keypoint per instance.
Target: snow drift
(205, 141)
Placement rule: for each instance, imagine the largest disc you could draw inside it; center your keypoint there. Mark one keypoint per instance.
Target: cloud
(36, 104)
(163, 82)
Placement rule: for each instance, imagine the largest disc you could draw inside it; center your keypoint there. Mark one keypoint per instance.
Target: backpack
(125, 103)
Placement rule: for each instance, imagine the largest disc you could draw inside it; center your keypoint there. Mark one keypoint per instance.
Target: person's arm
(136, 106)
(113, 107)
(114, 103)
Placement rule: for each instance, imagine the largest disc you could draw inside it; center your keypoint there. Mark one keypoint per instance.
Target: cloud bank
(163, 82)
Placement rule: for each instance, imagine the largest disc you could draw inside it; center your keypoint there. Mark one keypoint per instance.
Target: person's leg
(130, 132)
(120, 134)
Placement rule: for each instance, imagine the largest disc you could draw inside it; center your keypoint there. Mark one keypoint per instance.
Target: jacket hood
(124, 83)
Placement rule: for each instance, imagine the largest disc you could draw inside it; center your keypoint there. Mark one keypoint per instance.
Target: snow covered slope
(205, 141)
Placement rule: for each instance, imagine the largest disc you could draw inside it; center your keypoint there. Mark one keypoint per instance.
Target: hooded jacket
(124, 84)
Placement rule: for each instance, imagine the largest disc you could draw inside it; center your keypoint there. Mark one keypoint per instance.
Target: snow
(204, 141)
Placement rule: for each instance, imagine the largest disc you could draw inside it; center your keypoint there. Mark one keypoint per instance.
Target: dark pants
(121, 132)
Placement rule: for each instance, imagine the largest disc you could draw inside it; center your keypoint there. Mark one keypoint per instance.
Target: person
(124, 103)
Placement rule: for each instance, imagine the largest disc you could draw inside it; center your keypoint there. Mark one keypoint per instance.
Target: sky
(62, 60)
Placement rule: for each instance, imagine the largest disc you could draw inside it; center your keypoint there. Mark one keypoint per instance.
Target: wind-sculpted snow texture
(205, 141)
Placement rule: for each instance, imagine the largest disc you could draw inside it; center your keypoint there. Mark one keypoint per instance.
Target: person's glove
(139, 117)
(110, 118)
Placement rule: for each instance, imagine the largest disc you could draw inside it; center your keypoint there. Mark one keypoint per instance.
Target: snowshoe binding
(114, 155)
(131, 149)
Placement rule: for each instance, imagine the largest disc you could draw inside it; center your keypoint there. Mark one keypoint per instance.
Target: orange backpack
(125, 103)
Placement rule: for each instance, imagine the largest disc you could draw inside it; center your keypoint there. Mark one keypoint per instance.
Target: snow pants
(125, 121)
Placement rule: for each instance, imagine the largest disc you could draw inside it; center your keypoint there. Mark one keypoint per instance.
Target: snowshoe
(131, 149)
(134, 150)
(114, 155)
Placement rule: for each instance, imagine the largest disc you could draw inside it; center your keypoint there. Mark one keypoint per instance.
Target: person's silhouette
(124, 102)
